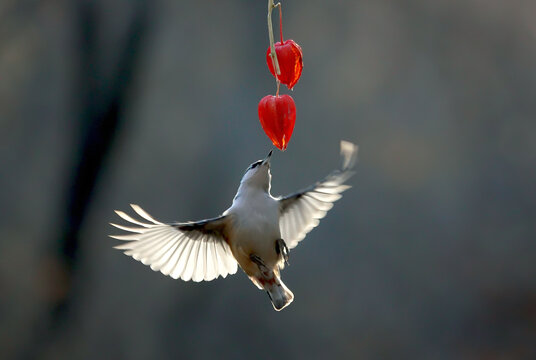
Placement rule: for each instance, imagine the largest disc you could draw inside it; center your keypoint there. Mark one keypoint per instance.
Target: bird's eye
(255, 164)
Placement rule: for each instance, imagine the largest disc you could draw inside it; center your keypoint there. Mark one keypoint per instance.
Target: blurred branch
(100, 114)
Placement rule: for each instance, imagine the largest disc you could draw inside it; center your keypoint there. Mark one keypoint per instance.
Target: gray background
(431, 254)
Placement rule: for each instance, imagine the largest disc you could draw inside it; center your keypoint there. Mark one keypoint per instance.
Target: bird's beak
(267, 159)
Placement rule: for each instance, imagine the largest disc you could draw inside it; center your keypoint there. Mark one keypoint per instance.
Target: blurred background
(431, 254)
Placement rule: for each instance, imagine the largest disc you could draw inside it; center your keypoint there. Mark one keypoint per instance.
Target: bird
(256, 232)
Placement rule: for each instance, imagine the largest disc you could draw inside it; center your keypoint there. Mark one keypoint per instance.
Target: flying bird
(256, 232)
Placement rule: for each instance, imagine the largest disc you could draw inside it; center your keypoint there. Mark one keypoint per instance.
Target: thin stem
(277, 92)
(280, 21)
(273, 55)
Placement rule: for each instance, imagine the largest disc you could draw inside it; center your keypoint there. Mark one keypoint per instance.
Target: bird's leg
(262, 266)
(282, 249)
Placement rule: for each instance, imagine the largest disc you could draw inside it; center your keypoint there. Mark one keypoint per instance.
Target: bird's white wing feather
(301, 212)
(191, 251)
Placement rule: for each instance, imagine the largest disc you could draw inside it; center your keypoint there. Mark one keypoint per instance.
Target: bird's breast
(257, 222)
(254, 229)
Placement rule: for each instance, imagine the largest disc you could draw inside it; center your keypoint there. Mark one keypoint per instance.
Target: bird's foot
(282, 249)
(260, 264)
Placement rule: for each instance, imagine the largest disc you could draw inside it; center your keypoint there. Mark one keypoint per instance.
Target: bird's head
(258, 174)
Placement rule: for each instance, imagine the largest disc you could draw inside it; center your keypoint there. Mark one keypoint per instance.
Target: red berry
(289, 56)
(277, 115)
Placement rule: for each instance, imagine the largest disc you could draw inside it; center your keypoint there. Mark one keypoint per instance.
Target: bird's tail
(279, 294)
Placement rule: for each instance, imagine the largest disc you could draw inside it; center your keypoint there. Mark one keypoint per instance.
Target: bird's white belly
(255, 231)
(256, 236)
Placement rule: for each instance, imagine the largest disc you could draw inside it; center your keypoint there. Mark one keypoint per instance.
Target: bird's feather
(301, 212)
(191, 251)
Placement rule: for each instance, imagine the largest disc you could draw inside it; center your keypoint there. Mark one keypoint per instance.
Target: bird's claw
(261, 265)
(282, 249)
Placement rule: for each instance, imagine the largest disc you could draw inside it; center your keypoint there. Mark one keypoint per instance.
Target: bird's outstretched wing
(191, 251)
(301, 212)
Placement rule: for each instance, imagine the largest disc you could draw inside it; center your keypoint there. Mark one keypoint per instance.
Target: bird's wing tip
(349, 154)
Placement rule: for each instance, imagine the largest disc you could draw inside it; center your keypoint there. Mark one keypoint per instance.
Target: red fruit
(277, 115)
(289, 56)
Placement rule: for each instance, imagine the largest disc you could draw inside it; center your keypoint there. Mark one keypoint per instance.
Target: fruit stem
(273, 55)
(277, 92)
(280, 21)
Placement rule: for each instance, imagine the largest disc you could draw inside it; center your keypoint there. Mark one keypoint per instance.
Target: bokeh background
(431, 254)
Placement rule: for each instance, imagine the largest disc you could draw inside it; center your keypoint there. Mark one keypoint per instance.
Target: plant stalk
(273, 55)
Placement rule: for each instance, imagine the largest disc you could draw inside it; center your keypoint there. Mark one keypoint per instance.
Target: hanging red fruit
(290, 58)
(277, 115)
